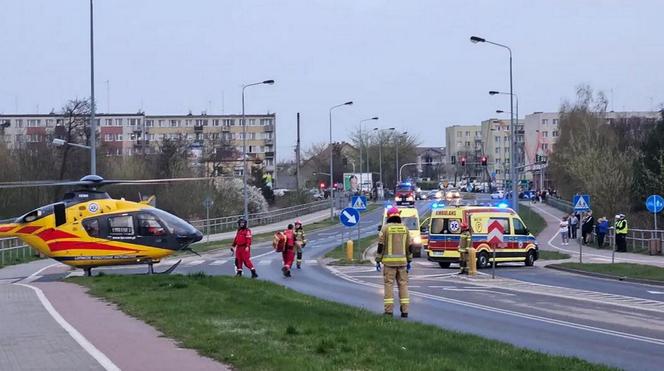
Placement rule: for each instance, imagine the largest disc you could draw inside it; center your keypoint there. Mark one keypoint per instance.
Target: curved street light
(245, 195)
(349, 103)
(515, 203)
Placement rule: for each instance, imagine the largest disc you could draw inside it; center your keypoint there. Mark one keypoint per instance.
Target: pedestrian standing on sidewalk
(395, 252)
(573, 224)
(242, 245)
(602, 230)
(621, 233)
(564, 230)
(288, 254)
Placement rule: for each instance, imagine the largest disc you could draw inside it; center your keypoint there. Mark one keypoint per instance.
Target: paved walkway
(549, 239)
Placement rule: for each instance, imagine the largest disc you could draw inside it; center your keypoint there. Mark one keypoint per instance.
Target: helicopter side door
(151, 231)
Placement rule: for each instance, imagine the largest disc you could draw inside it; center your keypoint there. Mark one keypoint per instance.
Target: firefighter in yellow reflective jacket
(465, 243)
(394, 251)
(300, 242)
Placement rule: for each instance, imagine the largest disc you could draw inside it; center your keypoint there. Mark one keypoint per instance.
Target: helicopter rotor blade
(92, 184)
(48, 183)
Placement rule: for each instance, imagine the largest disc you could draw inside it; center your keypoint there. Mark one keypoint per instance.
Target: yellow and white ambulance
(410, 217)
(445, 229)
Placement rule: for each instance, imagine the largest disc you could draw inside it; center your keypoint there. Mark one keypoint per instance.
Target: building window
(545, 146)
(468, 133)
(554, 133)
(19, 123)
(459, 134)
(175, 123)
(497, 150)
(229, 122)
(545, 121)
(149, 123)
(266, 122)
(545, 134)
(49, 122)
(215, 122)
(555, 121)
(162, 123)
(118, 122)
(497, 139)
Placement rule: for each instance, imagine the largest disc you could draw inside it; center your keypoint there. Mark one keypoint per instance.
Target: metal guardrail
(229, 223)
(12, 249)
(559, 204)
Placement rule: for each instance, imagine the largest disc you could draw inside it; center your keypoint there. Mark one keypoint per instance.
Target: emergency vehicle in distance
(410, 217)
(444, 230)
(405, 194)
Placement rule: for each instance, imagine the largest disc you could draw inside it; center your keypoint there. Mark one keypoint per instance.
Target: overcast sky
(408, 62)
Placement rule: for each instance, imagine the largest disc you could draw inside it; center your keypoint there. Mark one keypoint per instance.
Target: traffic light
(463, 161)
(453, 160)
(322, 184)
(483, 161)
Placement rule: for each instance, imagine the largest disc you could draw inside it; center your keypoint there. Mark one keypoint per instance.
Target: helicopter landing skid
(167, 271)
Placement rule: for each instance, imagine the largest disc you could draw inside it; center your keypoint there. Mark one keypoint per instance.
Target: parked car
(499, 194)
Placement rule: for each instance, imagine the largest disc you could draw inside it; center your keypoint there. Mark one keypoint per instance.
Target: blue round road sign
(349, 217)
(655, 203)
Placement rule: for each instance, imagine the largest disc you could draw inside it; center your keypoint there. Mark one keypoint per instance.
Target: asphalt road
(615, 323)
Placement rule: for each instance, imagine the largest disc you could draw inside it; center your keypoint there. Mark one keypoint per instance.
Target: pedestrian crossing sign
(359, 202)
(581, 202)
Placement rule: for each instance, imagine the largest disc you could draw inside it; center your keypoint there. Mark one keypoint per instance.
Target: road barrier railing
(13, 249)
(229, 223)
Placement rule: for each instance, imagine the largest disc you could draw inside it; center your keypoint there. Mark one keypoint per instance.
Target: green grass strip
(552, 255)
(629, 270)
(533, 220)
(258, 325)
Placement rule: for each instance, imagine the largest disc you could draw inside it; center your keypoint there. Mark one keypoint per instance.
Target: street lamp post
(396, 144)
(245, 194)
(513, 132)
(349, 103)
(361, 145)
(93, 123)
(62, 142)
(515, 198)
(380, 154)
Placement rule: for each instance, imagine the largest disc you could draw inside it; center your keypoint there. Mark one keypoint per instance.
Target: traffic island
(253, 324)
(628, 272)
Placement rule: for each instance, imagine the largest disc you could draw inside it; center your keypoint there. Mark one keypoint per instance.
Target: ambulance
(410, 217)
(444, 231)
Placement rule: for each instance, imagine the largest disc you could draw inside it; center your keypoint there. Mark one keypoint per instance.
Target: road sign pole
(493, 270)
(578, 239)
(207, 222)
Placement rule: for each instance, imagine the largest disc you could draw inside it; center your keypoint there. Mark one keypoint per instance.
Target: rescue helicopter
(89, 229)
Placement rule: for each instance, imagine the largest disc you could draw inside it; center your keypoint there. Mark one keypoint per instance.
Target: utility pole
(297, 154)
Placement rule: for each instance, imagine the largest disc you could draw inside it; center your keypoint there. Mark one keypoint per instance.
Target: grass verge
(619, 270)
(258, 325)
(339, 253)
(533, 220)
(552, 255)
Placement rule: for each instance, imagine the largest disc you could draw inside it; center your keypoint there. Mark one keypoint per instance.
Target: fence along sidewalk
(638, 240)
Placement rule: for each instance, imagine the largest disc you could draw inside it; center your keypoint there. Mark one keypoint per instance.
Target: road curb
(607, 276)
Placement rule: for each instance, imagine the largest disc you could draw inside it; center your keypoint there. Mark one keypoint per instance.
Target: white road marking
(487, 308)
(264, 262)
(194, 262)
(220, 262)
(656, 292)
(100, 357)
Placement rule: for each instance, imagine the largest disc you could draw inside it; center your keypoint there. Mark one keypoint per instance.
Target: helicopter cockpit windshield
(35, 214)
(174, 224)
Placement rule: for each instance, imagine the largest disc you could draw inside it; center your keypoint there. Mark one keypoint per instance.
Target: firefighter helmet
(393, 211)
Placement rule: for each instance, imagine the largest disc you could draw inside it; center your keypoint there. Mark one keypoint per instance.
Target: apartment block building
(219, 137)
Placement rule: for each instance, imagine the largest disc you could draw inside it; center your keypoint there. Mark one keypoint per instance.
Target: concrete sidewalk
(549, 239)
(278, 226)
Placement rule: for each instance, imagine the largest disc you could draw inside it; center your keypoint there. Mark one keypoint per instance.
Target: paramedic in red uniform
(242, 245)
(289, 250)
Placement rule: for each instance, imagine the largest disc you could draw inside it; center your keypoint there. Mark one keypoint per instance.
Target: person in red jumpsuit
(289, 251)
(242, 245)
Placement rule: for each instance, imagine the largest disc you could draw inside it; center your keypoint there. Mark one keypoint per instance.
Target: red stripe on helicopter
(75, 245)
(54, 234)
(7, 229)
(28, 229)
